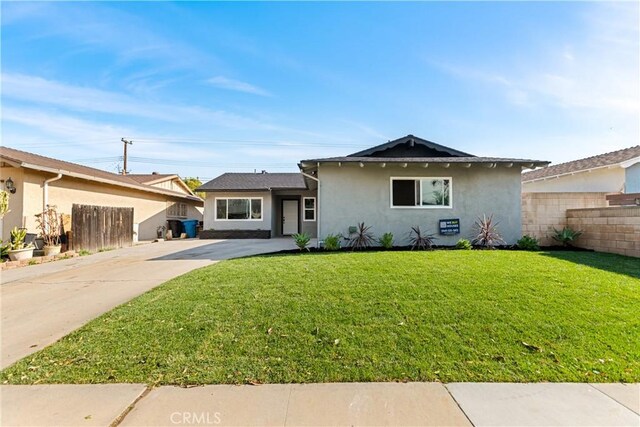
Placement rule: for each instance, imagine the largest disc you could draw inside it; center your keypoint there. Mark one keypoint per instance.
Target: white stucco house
(614, 172)
(393, 186)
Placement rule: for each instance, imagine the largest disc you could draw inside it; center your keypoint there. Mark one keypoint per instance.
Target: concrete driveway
(42, 303)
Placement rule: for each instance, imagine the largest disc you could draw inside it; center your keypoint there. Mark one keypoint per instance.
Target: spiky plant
(418, 239)
(566, 236)
(386, 240)
(487, 232)
(362, 238)
(302, 240)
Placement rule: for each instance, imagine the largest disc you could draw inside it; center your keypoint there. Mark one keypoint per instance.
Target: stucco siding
(351, 194)
(14, 216)
(632, 179)
(149, 208)
(210, 222)
(606, 180)
(309, 227)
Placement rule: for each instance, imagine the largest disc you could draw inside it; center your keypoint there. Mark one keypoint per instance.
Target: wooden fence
(100, 227)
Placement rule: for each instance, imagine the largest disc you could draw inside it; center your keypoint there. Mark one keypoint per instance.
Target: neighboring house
(259, 205)
(549, 192)
(615, 172)
(41, 181)
(391, 187)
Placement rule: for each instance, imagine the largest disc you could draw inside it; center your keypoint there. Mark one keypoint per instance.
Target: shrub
(528, 243)
(17, 238)
(84, 252)
(420, 240)
(386, 240)
(463, 244)
(488, 235)
(4, 249)
(362, 238)
(302, 240)
(332, 242)
(566, 236)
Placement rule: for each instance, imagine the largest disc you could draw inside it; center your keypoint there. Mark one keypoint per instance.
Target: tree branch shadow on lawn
(613, 263)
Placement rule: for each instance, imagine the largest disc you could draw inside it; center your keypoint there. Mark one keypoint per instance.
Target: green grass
(376, 316)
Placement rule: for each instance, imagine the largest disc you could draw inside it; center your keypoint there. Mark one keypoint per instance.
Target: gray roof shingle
(606, 159)
(255, 182)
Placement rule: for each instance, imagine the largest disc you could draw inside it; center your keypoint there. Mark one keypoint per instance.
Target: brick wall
(541, 212)
(614, 229)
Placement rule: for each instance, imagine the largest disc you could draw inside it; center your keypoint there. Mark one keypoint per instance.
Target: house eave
(85, 177)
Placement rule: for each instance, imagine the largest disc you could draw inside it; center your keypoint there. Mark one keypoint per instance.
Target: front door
(290, 211)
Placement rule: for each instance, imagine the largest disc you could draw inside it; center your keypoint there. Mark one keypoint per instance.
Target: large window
(421, 192)
(309, 204)
(177, 209)
(239, 209)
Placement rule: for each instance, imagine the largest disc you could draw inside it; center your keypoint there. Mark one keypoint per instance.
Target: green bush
(464, 244)
(302, 240)
(332, 242)
(566, 236)
(386, 240)
(528, 243)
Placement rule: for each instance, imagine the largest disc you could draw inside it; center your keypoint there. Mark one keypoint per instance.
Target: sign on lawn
(450, 226)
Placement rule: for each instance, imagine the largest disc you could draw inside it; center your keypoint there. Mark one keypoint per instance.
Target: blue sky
(203, 88)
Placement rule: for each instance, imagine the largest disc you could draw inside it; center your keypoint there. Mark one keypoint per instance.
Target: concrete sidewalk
(372, 404)
(42, 303)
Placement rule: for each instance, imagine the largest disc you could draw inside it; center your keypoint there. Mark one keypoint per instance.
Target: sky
(204, 88)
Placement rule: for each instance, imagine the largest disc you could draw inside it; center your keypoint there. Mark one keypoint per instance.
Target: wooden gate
(101, 227)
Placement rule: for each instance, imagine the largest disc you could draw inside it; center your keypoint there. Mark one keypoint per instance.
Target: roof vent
(263, 171)
(155, 173)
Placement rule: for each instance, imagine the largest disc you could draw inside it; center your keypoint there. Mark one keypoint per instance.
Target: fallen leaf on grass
(531, 346)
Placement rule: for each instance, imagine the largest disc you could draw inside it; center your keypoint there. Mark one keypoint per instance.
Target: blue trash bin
(190, 227)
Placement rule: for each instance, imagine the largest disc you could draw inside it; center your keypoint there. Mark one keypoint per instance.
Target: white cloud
(236, 85)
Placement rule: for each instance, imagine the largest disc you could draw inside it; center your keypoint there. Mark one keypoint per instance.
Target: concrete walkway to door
(42, 303)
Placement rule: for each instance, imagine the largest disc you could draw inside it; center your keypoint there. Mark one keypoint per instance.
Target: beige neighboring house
(41, 181)
(548, 193)
(614, 172)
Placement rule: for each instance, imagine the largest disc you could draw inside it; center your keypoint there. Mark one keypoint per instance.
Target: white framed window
(177, 209)
(421, 192)
(238, 209)
(308, 208)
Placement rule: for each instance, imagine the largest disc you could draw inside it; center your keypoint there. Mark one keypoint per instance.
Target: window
(177, 209)
(309, 204)
(421, 192)
(239, 209)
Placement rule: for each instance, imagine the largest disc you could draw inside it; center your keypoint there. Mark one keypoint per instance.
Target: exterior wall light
(10, 186)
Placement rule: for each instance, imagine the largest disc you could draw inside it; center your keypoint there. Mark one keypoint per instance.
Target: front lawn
(375, 316)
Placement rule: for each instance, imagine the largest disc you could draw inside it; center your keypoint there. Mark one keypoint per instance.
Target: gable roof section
(156, 178)
(614, 158)
(408, 144)
(255, 182)
(27, 160)
(411, 149)
(151, 178)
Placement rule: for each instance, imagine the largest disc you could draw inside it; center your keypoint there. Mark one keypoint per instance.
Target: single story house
(37, 181)
(403, 183)
(614, 172)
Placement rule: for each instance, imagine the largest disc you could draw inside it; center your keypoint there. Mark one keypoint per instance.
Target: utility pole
(126, 142)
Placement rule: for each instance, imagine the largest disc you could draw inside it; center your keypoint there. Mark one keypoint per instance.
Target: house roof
(603, 160)
(410, 141)
(462, 160)
(151, 178)
(255, 182)
(412, 149)
(19, 158)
